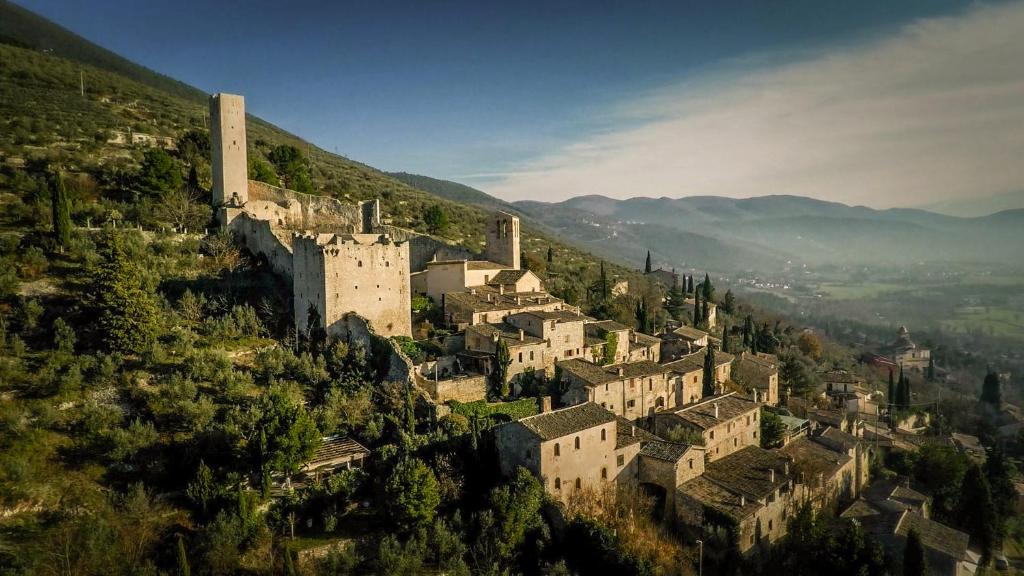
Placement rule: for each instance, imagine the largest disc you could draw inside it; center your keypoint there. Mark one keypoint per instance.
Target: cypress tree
(914, 563)
(977, 512)
(551, 255)
(931, 369)
(991, 389)
(689, 285)
(709, 371)
(193, 180)
(647, 265)
(892, 390)
(61, 207)
(709, 290)
(183, 567)
(696, 309)
(725, 339)
(705, 313)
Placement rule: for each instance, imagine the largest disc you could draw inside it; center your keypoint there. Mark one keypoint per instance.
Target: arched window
(577, 442)
(579, 484)
(604, 435)
(558, 450)
(604, 473)
(558, 483)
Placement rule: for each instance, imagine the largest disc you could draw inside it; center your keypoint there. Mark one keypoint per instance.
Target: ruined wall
(462, 388)
(288, 208)
(365, 273)
(423, 249)
(259, 237)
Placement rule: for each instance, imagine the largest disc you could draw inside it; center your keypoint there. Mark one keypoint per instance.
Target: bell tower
(503, 239)
(227, 150)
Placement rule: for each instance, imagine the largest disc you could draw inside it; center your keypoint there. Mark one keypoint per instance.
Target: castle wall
(259, 237)
(227, 143)
(423, 249)
(364, 273)
(466, 388)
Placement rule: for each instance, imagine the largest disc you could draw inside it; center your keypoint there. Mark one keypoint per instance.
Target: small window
(579, 483)
(770, 525)
(360, 264)
(690, 462)
(558, 483)
(558, 449)
(630, 403)
(620, 460)
(604, 434)
(604, 473)
(520, 356)
(712, 434)
(735, 441)
(577, 442)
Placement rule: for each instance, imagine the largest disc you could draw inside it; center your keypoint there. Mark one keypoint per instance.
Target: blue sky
(488, 93)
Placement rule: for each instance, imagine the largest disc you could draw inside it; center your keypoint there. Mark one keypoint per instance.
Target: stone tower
(503, 239)
(227, 148)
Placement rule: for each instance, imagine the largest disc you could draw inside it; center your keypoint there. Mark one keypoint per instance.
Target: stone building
(744, 496)
(600, 335)
(906, 353)
(681, 342)
(339, 258)
(485, 304)
(631, 390)
(758, 372)
(712, 311)
(666, 465)
(689, 374)
(725, 423)
(582, 446)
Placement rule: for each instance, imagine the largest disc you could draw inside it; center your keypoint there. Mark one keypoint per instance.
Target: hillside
(46, 119)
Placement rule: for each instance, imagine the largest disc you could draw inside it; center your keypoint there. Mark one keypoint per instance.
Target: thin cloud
(931, 113)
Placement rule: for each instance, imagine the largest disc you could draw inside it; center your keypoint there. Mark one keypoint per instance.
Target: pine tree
(914, 563)
(709, 371)
(696, 310)
(61, 207)
(709, 290)
(675, 301)
(647, 265)
(977, 512)
(183, 567)
(551, 255)
(127, 309)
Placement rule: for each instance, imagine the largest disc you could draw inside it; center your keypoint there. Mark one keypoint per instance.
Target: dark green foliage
(891, 398)
(262, 172)
(940, 471)
(647, 263)
(551, 255)
(411, 494)
(436, 219)
(292, 167)
(710, 384)
(729, 303)
(591, 548)
(797, 372)
(159, 173)
(708, 289)
(914, 563)
(772, 429)
(1000, 473)
(284, 434)
(202, 490)
(675, 302)
(61, 206)
(812, 547)
(992, 390)
(642, 317)
(697, 317)
(481, 409)
(63, 336)
(183, 568)
(611, 344)
(976, 513)
(125, 306)
(499, 375)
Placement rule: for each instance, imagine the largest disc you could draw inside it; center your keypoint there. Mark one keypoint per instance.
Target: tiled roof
(507, 277)
(715, 497)
(753, 370)
(702, 414)
(640, 340)
(842, 377)
(628, 433)
(748, 471)
(685, 365)
(690, 333)
(592, 374)
(478, 301)
(811, 459)
(934, 535)
(335, 447)
(662, 450)
(485, 265)
(607, 325)
(565, 421)
(558, 315)
(839, 439)
(507, 332)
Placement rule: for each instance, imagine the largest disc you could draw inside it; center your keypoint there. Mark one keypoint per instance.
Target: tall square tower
(503, 239)
(227, 150)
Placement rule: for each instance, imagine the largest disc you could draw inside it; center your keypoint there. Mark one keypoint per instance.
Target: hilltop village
(675, 415)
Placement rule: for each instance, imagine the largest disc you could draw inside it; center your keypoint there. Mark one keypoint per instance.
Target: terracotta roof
(565, 421)
(837, 438)
(811, 459)
(662, 450)
(557, 315)
(508, 277)
(690, 333)
(592, 374)
(685, 365)
(640, 340)
(485, 265)
(702, 414)
(627, 433)
(334, 448)
(507, 332)
(934, 535)
(753, 370)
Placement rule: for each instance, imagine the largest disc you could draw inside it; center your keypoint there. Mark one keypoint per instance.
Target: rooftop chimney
(621, 372)
(518, 301)
(632, 431)
(545, 404)
(743, 500)
(771, 475)
(522, 336)
(716, 410)
(501, 288)
(755, 395)
(488, 296)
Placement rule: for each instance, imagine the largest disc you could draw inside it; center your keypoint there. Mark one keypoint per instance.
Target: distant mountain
(970, 207)
(727, 234)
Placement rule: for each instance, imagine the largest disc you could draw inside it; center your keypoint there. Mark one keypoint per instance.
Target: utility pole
(700, 558)
(81, 82)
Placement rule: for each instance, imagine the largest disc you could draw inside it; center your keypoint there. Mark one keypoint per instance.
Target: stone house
(335, 453)
(643, 347)
(600, 334)
(726, 423)
(526, 350)
(484, 304)
(760, 372)
(825, 476)
(582, 446)
(689, 374)
(742, 497)
(561, 329)
(666, 465)
(681, 342)
(712, 311)
(631, 390)
(906, 353)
